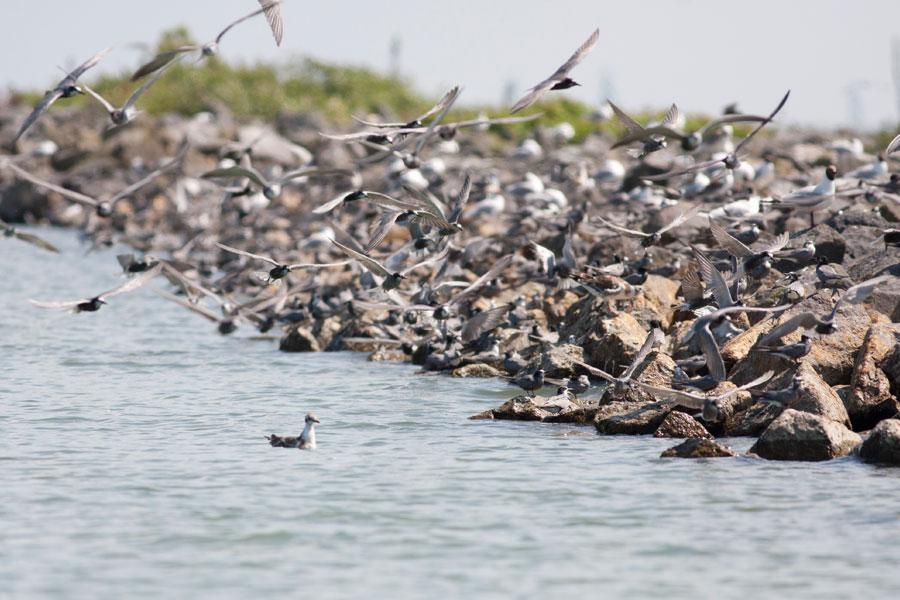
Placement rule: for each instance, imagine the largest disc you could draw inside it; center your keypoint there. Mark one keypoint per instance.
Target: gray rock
(476, 370)
(520, 408)
(557, 361)
(299, 339)
(754, 420)
(606, 341)
(873, 393)
(639, 421)
(883, 444)
(680, 425)
(698, 448)
(797, 435)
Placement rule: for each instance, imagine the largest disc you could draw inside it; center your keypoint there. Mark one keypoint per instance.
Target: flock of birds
(399, 232)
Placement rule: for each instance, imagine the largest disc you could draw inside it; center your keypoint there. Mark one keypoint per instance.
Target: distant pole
(895, 70)
(510, 92)
(854, 104)
(394, 56)
(607, 86)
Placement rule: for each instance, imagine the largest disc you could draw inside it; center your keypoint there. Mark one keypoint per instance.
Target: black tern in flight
(305, 441)
(64, 89)
(280, 270)
(652, 239)
(636, 131)
(752, 263)
(272, 189)
(94, 304)
(120, 116)
(207, 49)
(105, 206)
(732, 160)
(391, 280)
(10, 231)
(823, 325)
(560, 80)
(710, 406)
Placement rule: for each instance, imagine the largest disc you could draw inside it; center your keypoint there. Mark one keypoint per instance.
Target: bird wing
(714, 361)
(194, 307)
(802, 320)
(578, 56)
(858, 293)
(70, 194)
(671, 117)
(761, 125)
(483, 321)
(893, 146)
(238, 171)
(134, 283)
(160, 60)
(370, 264)
(645, 133)
(248, 254)
(730, 243)
(492, 273)
(272, 8)
(453, 94)
(623, 230)
(35, 240)
(49, 98)
(692, 169)
(312, 171)
(383, 225)
(679, 397)
(264, 9)
(714, 279)
(778, 243)
(595, 371)
(726, 119)
(498, 120)
(146, 85)
(685, 216)
(691, 287)
(109, 107)
(448, 99)
(642, 354)
(146, 180)
(630, 124)
(759, 380)
(461, 199)
(432, 259)
(77, 71)
(61, 304)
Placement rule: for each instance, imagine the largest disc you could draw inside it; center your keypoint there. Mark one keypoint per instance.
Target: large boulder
(883, 444)
(873, 392)
(520, 408)
(797, 435)
(299, 339)
(754, 420)
(681, 425)
(832, 356)
(698, 448)
(643, 420)
(613, 340)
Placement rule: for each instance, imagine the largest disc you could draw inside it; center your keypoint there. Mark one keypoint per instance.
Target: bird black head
(355, 195)
(104, 209)
(565, 84)
(691, 141)
(831, 172)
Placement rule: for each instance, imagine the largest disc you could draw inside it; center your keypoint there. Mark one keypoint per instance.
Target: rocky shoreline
(545, 190)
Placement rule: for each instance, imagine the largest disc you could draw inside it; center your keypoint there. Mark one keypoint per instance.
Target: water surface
(133, 464)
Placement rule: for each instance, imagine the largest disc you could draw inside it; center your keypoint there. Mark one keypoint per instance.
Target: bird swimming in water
(305, 441)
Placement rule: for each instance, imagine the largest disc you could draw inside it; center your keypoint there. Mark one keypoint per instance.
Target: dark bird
(120, 116)
(689, 141)
(890, 237)
(637, 132)
(390, 280)
(607, 287)
(305, 441)
(711, 406)
(271, 189)
(831, 276)
(529, 383)
(64, 89)
(560, 79)
(280, 270)
(10, 231)
(782, 397)
(823, 325)
(103, 207)
(753, 263)
(651, 239)
(654, 338)
(94, 304)
(731, 160)
(793, 352)
(207, 49)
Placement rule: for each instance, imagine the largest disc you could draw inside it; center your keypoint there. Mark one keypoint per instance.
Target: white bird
(305, 441)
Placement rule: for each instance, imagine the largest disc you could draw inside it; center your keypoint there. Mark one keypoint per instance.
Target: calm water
(133, 464)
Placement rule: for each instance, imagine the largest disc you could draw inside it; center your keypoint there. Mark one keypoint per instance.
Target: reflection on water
(135, 464)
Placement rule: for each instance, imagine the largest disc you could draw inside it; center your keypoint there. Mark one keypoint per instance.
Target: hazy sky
(834, 55)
